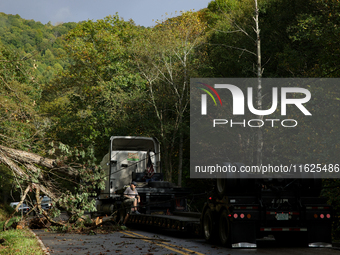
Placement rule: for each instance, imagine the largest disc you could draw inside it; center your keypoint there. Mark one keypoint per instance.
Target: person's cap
(134, 183)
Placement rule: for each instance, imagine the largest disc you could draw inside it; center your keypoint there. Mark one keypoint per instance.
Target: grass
(17, 241)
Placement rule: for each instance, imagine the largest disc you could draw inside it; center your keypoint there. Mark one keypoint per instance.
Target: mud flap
(319, 235)
(243, 234)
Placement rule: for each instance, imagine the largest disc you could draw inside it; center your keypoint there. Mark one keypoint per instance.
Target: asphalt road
(160, 243)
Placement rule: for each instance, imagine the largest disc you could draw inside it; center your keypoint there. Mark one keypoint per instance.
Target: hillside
(43, 44)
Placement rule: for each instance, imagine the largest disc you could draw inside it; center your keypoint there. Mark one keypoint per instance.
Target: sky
(143, 12)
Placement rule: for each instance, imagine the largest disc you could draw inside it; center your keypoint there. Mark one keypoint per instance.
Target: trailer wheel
(221, 187)
(209, 229)
(224, 228)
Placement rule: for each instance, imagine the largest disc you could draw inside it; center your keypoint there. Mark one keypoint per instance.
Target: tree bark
(180, 159)
(9, 156)
(259, 145)
(28, 157)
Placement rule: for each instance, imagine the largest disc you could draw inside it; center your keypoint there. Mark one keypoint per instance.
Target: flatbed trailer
(180, 221)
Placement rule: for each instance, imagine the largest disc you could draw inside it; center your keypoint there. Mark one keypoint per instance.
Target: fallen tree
(69, 179)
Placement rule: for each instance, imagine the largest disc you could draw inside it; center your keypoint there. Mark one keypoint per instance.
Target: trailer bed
(178, 222)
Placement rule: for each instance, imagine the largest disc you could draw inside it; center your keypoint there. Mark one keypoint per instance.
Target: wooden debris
(98, 221)
(38, 223)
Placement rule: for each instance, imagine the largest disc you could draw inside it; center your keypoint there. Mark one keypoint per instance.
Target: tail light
(241, 215)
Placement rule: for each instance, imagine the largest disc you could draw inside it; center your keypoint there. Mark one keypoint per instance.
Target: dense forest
(80, 83)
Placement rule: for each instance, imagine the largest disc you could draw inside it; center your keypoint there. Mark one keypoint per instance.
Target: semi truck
(239, 210)
(243, 209)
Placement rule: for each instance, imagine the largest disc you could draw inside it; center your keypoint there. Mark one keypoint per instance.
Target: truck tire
(226, 185)
(209, 229)
(224, 228)
(221, 187)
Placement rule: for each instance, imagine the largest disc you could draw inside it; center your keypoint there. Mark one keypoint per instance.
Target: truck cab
(128, 159)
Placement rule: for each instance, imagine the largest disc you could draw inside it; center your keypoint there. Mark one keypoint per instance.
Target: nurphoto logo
(238, 107)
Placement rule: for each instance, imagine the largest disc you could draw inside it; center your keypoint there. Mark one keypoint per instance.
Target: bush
(5, 211)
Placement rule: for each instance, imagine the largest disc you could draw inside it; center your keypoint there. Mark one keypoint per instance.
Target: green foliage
(100, 85)
(315, 35)
(41, 44)
(18, 99)
(298, 39)
(5, 211)
(6, 180)
(78, 190)
(4, 215)
(231, 40)
(165, 56)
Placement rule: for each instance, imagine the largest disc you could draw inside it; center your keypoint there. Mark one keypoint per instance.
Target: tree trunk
(259, 145)
(9, 155)
(180, 159)
(27, 157)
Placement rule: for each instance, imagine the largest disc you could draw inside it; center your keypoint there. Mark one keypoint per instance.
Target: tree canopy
(80, 83)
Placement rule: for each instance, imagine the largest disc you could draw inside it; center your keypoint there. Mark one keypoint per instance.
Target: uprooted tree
(69, 180)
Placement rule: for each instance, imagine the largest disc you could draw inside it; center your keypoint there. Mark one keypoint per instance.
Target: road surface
(137, 241)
